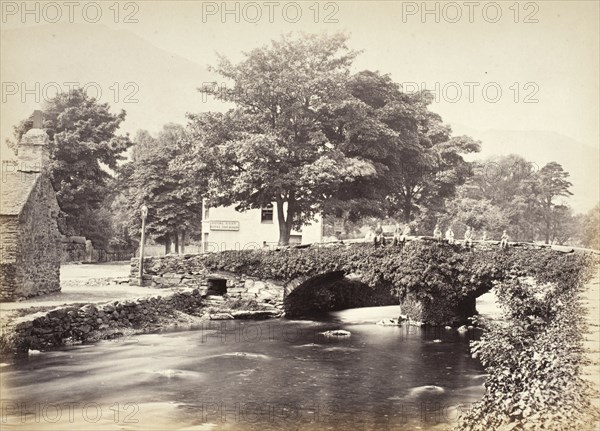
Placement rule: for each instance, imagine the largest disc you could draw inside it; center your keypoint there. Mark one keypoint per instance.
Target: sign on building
(224, 225)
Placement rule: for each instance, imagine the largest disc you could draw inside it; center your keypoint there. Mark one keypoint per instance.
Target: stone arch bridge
(433, 283)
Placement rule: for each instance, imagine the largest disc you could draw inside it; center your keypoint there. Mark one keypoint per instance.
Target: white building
(224, 228)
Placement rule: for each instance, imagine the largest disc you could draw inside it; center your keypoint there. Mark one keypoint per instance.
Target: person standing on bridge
(450, 235)
(437, 233)
(397, 234)
(504, 240)
(468, 237)
(379, 238)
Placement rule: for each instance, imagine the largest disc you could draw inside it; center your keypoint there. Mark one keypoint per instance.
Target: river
(251, 375)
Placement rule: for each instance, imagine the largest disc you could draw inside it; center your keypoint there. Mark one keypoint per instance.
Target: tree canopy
(84, 147)
(311, 137)
(273, 147)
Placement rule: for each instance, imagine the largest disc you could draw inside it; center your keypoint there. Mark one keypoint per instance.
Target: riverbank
(591, 343)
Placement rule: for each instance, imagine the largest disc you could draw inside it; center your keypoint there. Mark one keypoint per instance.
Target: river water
(251, 375)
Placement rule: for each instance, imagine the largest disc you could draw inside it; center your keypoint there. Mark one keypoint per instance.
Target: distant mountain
(164, 84)
(540, 147)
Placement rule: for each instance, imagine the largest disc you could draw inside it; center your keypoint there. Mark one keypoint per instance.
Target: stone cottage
(29, 248)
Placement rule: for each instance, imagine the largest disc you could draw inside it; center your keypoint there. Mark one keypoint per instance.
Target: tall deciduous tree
(272, 146)
(310, 137)
(417, 161)
(83, 144)
(512, 193)
(506, 184)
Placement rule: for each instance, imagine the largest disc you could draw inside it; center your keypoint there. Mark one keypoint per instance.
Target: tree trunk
(548, 219)
(407, 213)
(182, 242)
(176, 243)
(168, 245)
(285, 226)
(407, 207)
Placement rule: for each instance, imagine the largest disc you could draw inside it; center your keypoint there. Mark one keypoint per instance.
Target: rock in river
(336, 333)
(221, 316)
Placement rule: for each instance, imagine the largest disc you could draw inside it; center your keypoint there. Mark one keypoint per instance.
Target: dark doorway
(216, 286)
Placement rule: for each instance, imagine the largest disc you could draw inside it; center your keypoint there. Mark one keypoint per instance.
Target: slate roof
(15, 188)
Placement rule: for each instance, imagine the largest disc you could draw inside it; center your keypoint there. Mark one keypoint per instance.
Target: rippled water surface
(274, 374)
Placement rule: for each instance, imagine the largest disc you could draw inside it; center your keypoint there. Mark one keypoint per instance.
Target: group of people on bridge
(469, 236)
(401, 235)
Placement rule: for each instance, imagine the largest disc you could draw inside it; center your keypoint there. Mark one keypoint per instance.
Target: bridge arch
(330, 291)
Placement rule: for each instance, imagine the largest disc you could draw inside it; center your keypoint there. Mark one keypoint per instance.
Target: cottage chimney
(33, 148)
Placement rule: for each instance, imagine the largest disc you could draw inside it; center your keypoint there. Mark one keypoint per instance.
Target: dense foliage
(511, 193)
(534, 356)
(590, 228)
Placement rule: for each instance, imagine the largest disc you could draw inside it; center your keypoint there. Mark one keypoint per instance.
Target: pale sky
(552, 63)
(559, 54)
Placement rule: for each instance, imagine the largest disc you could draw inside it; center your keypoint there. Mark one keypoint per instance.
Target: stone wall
(72, 324)
(72, 250)
(188, 271)
(75, 249)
